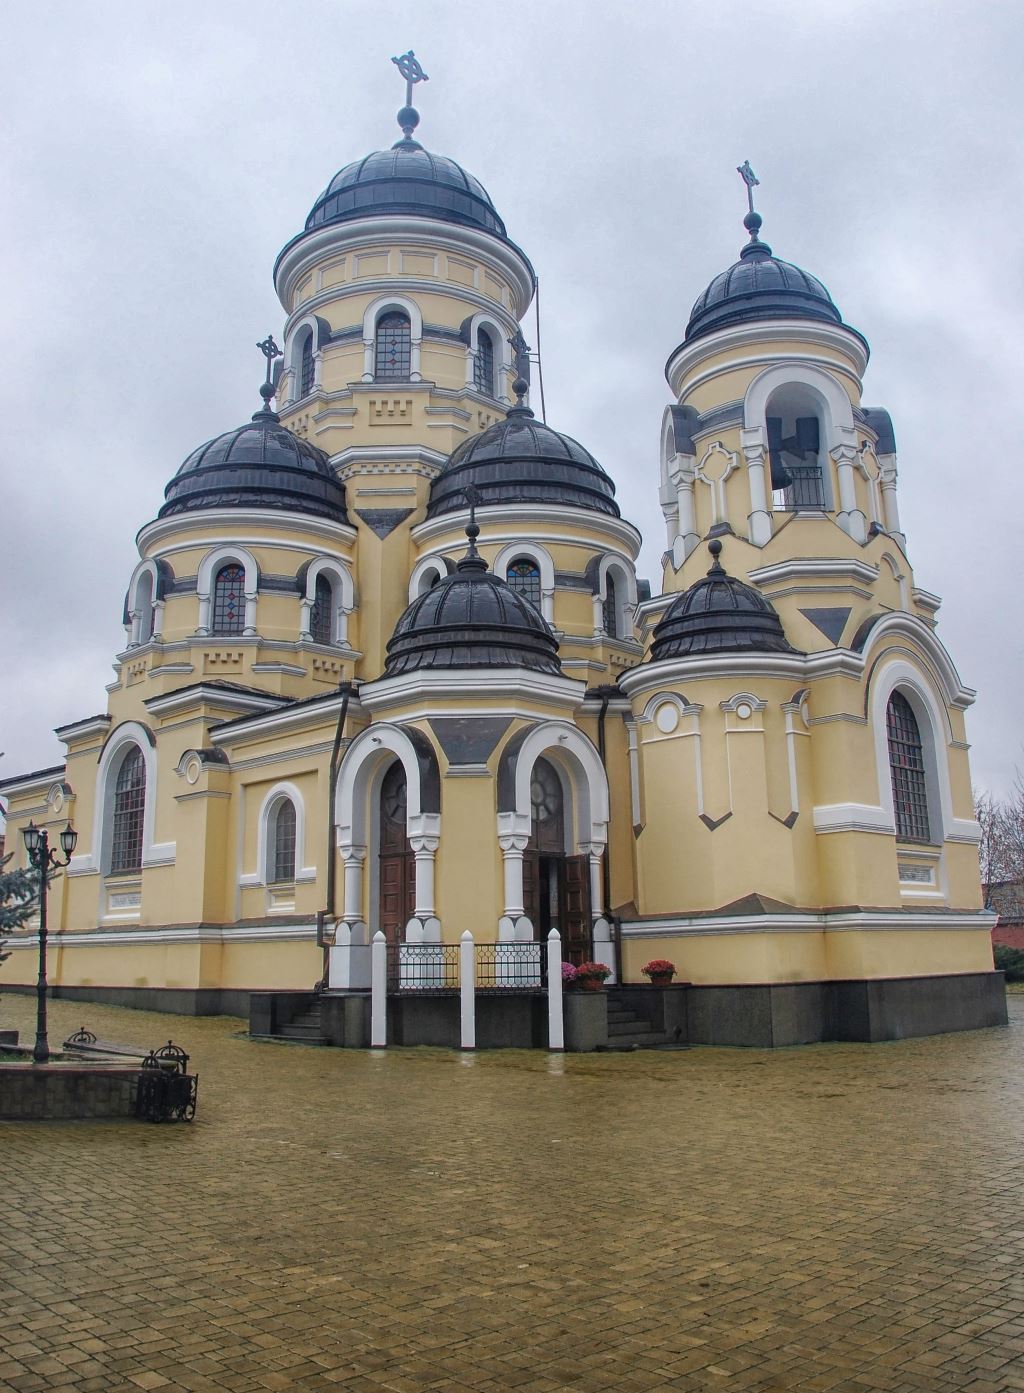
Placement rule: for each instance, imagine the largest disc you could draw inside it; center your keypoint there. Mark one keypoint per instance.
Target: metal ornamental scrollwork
(167, 1092)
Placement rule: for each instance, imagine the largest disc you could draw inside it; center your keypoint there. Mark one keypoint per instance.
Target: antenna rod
(540, 369)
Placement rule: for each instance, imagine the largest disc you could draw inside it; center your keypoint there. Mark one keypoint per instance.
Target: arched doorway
(397, 865)
(556, 885)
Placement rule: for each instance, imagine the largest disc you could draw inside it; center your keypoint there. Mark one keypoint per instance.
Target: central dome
(521, 460)
(406, 179)
(471, 619)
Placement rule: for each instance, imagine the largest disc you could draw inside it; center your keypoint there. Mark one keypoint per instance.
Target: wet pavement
(834, 1217)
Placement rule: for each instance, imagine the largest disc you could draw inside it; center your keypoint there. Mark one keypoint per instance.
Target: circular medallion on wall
(666, 718)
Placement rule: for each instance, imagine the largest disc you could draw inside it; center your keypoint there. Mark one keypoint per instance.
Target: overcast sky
(155, 158)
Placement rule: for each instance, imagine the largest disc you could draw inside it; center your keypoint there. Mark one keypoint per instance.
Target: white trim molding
(127, 736)
(209, 568)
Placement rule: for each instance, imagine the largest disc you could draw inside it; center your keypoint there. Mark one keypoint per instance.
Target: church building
(388, 666)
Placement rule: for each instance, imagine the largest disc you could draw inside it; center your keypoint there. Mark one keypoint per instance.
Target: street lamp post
(37, 844)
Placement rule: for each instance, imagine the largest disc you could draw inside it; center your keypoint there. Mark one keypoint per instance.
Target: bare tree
(1001, 850)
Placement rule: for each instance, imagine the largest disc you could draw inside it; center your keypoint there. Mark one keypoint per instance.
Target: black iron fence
(806, 489)
(423, 967)
(509, 967)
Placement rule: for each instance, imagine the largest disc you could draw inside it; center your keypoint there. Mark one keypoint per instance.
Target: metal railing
(806, 488)
(510, 967)
(423, 967)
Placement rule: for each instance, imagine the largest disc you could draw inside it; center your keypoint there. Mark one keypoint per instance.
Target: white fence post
(379, 991)
(556, 1026)
(467, 990)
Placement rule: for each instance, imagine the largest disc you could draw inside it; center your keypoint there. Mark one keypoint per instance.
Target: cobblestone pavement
(841, 1218)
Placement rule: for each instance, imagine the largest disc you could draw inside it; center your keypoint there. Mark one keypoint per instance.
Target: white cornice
(191, 933)
(302, 254)
(480, 682)
(809, 921)
(671, 671)
(681, 368)
(81, 730)
(530, 515)
(846, 570)
(36, 781)
(900, 624)
(209, 694)
(388, 454)
(245, 523)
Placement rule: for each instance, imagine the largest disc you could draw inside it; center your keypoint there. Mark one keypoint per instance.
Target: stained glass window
(906, 763)
(306, 367)
(523, 576)
(229, 600)
(394, 348)
(129, 810)
(284, 841)
(321, 617)
(483, 366)
(610, 608)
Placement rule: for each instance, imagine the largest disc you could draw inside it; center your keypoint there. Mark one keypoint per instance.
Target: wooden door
(397, 865)
(574, 909)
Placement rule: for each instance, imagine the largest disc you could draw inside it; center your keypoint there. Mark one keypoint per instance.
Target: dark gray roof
(258, 465)
(720, 614)
(759, 286)
(406, 179)
(521, 460)
(471, 619)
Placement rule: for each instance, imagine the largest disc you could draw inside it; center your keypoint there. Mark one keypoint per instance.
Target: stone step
(300, 1032)
(621, 1013)
(306, 1018)
(634, 1027)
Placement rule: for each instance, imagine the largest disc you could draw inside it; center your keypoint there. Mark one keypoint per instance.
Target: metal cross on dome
(409, 66)
(270, 351)
(750, 179)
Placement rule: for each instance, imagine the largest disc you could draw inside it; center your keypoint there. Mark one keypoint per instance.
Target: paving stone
(836, 1219)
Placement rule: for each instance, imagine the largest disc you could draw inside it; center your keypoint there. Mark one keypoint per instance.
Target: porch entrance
(397, 868)
(556, 885)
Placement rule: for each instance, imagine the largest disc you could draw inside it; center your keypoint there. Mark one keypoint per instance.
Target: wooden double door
(556, 885)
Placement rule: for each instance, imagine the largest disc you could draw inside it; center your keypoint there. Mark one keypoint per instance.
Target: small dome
(719, 614)
(406, 180)
(521, 460)
(259, 465)
(471, 619)
(759, 286)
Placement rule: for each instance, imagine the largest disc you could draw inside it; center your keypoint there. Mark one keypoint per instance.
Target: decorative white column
(353, 858)
(682, 478)
(467, 991)
(600, 927)
(250, 612)
(556, 1024)
(850, 518)
(513, 838)
(890, 506)
(379, 992)
(424, 926)
(368, 346)
(203, 627)
(158, 620)
(759, 523)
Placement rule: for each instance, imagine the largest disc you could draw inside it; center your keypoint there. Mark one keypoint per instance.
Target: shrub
(1010, 961)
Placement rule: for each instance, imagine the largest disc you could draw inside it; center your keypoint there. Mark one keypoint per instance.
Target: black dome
(719, 614)
(259, 465)
(406, 179)
(471, 619)
(520, 460)
(759, 286)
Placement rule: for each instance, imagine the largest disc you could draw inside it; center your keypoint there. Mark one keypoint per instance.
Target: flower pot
(592, 984)
(661, 979)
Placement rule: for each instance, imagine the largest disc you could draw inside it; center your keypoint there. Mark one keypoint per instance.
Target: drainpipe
(606, 693)
(346, 689)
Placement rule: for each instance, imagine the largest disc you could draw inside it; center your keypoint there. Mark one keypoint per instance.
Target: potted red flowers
(591, 976)
(660, 971)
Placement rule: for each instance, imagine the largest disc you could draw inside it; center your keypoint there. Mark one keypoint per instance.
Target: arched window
(906, 765)
(393, 361)
(610, 608)
(307, 371)
(229, 600)
(547, 809)
(483, 367)
(129, 810)
(144, 612)
(793, 421)
(523, 576)
(321, 616)
(282, 842)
